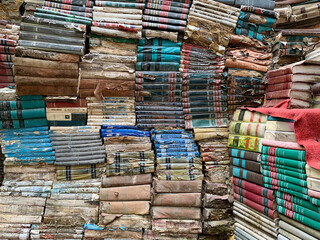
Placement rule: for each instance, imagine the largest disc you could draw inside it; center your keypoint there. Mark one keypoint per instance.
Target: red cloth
(306, 128)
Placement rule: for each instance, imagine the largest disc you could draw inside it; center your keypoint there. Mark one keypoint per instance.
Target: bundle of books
(95, 232)
(257, 23)
(82, 8)
(292, 82)
(204, 88)
(9, 35)
(269, 4)
(176, 207)
(14, 230)
(71, 205)
(112, 111)
(217, 213)
(125, 203)
(45, 73)
(158, 84)
(254, 204)
(210, 24)
(43, 231)
(66, 112)
(31, 148)
(128, 150)
(79, 152)
(165, 19)
(295, 183)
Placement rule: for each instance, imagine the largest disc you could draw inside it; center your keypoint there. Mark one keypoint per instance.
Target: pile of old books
(217, 213)
(71, 205)
(73, 8)
(79, 152)
(66, 112)
(295, 183)
(204, 89)
(95, 232)
(9, 35)
(176, 207)
(112, 111)
(128, 150)
(124, 204)
(292, 82)
(159, 84)
(165, 19)
(252, 200)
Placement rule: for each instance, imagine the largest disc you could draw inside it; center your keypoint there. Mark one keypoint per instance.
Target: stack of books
(82, 8)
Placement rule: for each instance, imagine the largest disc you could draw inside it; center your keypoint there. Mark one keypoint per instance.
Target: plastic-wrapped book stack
(294, 182)
(204, 88)
(217, 213)
(82, 8)
(254, 205)
(129, 160)
(159, 84)
(66, 111)
(9, 35)
(48, 52)
(71, 205)
(111, 110)
(176, 205)
(165, 19)
(79, 152)
(108, 70)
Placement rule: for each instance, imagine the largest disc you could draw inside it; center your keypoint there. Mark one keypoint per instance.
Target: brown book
(287, 93)
(46, 90)
(298, 67)
(298, 86)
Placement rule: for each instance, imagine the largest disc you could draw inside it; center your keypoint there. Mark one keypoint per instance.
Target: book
(280, 126)
(313, 184)
(23, 114)
(288, 93)
(294, 78)
(280, 136)
(244, 154)
(284, 153)
(247, 175)
(257, 189)
(250, 129)
(243, 115)
(298, 86)
(298, 67)
(286, 178)
(67, 110)
(312, 172)
(245, 142)
(247, 164)
(283, 161)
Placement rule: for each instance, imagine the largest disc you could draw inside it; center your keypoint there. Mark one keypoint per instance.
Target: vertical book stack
(176, 206)
(158, 84)
(217, 213)
(112, 111)
(79, 152)
(204, 89)
(254, 204)
(9, 35)
(285, 171)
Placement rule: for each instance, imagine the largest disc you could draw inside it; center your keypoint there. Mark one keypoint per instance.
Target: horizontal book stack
(315, 89)
(269, 4)
(14, 230)
(176, 210)
(9, 35)
(165, 19)
(79, 152)
(125, 203)
(45, 73)
(71, 205)
(158, 84)
(292, 82)
(254, 204)
(176, 207)
(285, 171)
(256, 23)
(128, 150)
(204, 88)
(30, 148)
(210, 24)
(74, 8)
(66, 113)
(111, 111)
(95, 232)
(217, 212)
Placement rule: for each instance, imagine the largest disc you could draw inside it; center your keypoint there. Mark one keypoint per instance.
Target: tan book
(280, 126)
(313, 183)
(66, 110)
(280, 136)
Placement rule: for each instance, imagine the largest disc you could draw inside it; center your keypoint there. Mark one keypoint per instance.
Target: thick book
(280, 126)
(312, 172)
(245, 142)
(280, 136)
(247, 164)
(247, 175)
(278, 169)
(36, 122)
(289, 93)
(255, 198)
(260, 208)
(269, 4)
(295, 68)
(15, 105)
(243, 115)
(313, 184)
(283, 161)
(265, 192)
(284, 153)
(244, 154)
(250, 129)
(23, 114)
(286, 178)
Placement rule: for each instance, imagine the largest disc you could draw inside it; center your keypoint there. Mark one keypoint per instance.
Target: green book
(14, 105)
(300, 218)
(281, 183)
(289, 191)
(299, 171)
(31, 97)
(26, 123)
(283, 161)
(283, 152)
(245, 142)
(23, 114)
(296, 181)
(285, 172)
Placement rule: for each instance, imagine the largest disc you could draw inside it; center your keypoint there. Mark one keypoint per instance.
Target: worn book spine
(119, 4)
(7, 50)
(164, 20)
(251, 129)
(67, 7)
(86, 3)
(248, 116)
(245, 142)
(14, 105)
(265, 192)
(279, 73)
(7, 124)
(23, 114)
(166, 14)
(161, 26)
(167, 8)
(75, 13)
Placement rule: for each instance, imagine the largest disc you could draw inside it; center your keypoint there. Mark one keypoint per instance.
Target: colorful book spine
(242, 115)
(155, 57)
(285, 178)
(23, 114)
(165, 27)
(67, 7)
(265, 192)
(7, 50)
(167, 8)
(247, 164)
(164, 20)
(159, 42)
(23, 123)
(119, 4)
(250, 129)
(85, 3)
(166, 14)
(247, 175)
(159, 50)
(15, 105)
(283, 161)
(245, 142)
(6, 58)
(284, 153)
(294, 174)
(63, 11)
(244, 154)
(157, 66)
(283, 184)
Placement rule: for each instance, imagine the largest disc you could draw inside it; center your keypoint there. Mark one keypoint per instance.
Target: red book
(268, 212)
(280, 79)
(279, 86)
(256, 198)
(6, 72)
(6, 79)
(3, 85)
(262, 191)
(78, 103)
(279, 72)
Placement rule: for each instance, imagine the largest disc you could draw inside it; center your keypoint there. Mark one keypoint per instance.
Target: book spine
(158, 42)
(84, 3)
(284, 153)
(279, 86)
(286, 172)
(250, 165)
(67, 7)
(204, 110)
(247, 175)
(7, 50)
(166, 14)
(157, 66)
(119, 4)
(278, 73)
(268, 212)
(244, 154)
(155, 57)
(159, 50)
(170, 3)
(298, 209)
(245, 142)
(6, 72)
(23, 114)
(273, 165)
(282, 184)
(265, 192)
(75, 13)
(38, 122)
(6, 58)
(165, 20)
(278, 94)
(250, 129)
(167, 8)
(254, 197)
(165, 27)
(285, 178)
(283, 161)
(79, 103)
